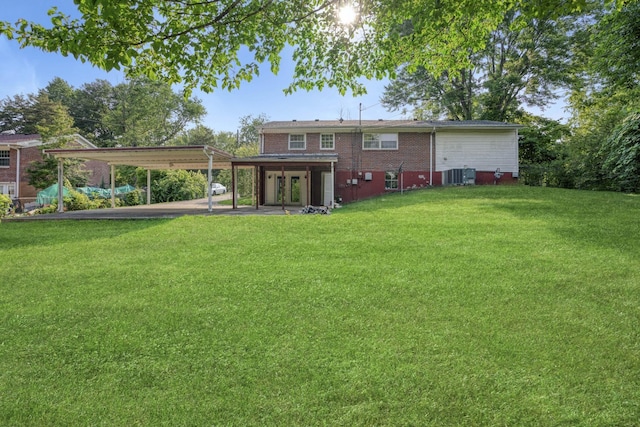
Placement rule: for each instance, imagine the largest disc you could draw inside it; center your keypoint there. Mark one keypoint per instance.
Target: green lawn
(483, 306)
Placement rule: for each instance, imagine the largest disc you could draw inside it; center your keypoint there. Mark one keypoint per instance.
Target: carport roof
(286, 160)
(178, 157)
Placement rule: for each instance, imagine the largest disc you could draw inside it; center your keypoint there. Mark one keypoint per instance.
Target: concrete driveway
(162, 210)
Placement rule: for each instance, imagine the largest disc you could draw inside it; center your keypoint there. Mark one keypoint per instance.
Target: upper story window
(297, 141)
(4, 158)
(380, 141)
(327, 141)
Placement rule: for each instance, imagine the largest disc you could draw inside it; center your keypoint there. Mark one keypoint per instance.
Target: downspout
(432, 137)
(517, 144)
(17, 189)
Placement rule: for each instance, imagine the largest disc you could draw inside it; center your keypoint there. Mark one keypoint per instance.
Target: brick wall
(413, 151)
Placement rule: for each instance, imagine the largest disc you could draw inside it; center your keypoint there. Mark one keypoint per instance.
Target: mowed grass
(444, 307)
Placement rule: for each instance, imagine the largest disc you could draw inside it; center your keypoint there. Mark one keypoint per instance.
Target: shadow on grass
(585, 217)
(595, 219)
(15, 235)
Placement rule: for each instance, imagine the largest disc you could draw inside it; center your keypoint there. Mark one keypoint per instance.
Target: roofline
(206, 148)
(36, 142)
(383, 125)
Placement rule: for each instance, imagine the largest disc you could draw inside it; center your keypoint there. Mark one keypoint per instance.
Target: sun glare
(347, 14)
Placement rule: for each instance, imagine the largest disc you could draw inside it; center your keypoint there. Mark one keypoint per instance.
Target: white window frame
(8, 188)
(379, 141)
(5, 154)
(391, 177)
(333, 141)
(304, 141)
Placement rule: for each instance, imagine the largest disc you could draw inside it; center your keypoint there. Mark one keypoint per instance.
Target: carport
(193, 157)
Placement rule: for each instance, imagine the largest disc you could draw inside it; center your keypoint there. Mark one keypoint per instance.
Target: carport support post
(113, 186)
(148, 186)
(308, 179)
(60, 185)
(233, 187)
(210, 180)
(283, 187)
(256, 183)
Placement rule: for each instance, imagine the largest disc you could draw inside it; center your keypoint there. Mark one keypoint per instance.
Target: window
(327, 141)
(391, 181)
(297, 142)
(380, 141)
(4, 158)
(8, 188)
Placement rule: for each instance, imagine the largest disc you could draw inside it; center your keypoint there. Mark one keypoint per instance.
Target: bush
(133, 198)
(77, 201)
(176, 185)
(5, 205)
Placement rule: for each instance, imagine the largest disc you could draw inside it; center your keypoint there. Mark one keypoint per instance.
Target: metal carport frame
(150, 158)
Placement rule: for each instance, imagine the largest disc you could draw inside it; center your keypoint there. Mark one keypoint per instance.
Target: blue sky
(24, 71)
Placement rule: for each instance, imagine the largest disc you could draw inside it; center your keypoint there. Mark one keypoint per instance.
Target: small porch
(289, 180)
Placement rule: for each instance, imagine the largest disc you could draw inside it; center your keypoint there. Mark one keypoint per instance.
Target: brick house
(317, 162)
(18, 151)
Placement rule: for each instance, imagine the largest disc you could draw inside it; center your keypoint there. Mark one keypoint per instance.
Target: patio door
(290, 188)
(280, 189)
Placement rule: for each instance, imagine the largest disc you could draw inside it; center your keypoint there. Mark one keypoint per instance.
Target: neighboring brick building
(351, 160)
(18, 151)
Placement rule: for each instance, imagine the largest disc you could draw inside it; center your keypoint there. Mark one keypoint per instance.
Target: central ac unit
(465, 176)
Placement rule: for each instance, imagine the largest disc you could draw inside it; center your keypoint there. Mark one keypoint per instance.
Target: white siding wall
(483, 150)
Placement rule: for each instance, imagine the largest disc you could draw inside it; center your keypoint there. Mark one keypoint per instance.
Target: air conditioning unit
(464, 176)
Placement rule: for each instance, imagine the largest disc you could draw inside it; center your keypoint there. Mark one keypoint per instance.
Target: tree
(523, 61)
(35, 114)
(541, 152)
(222, 43)
(44, 173)
(38, 114)
(148, 113)
(198, 135)
(244, 143)
(90, 105)
(621, 153)
(605, 96)
(58, 90)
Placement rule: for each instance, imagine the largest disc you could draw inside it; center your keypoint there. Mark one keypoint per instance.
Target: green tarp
(49, 194)
(94, 192)
(123, 190)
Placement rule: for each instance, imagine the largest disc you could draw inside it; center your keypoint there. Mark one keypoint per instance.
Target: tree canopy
(220, 44)
(523, 61)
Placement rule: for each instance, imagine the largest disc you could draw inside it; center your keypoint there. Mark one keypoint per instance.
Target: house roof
(35, 140)
(381, 125)
(19, 140)
(178, 157)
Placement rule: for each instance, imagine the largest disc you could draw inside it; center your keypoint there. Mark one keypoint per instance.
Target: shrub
(178, 185)
(133, 198)
(77, 201)
(5, 204)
